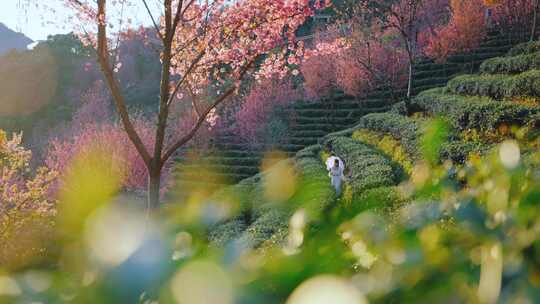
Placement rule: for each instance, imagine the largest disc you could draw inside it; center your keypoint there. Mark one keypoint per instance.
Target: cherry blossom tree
(257, 105)
(93, 129)
(85, 138)
(372, 60)
(366, 59)
(403, 18)
(464, 32)
(515, 15)
(319, 70)
(203, 44)
(408, 18)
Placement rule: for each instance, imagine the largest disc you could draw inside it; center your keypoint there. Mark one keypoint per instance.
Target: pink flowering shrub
(319, 67)
(463, 33)
(259, 108)
(511, 16)
(111, 138)
(92, 128)
(320, 77)
(371, 61)
(184, 118)
(356, 64)
(95, 106)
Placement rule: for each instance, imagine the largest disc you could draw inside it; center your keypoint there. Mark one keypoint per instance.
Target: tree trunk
(409, 85)
(154, 183)
(411, 62)
(409, 88)
(535, 20)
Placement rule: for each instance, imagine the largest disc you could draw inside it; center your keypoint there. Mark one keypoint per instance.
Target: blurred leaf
(435, 135)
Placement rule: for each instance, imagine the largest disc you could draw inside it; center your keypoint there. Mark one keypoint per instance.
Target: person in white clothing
(336, 175)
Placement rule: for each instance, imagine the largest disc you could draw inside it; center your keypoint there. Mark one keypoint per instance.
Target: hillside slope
(312, 120)
(482, 110)
(10, 39)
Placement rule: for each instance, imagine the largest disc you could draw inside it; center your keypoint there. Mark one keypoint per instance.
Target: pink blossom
(257, 105)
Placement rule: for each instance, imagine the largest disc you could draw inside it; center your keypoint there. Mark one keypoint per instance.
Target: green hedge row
(491, 49)
(234, 168)
(385, 93)
(497, 86)
(313, 190)
(400, 127)
(466, 112)
(314, 194)
(341, 113)
(235, 161)
(328, 105)
(240, 153)
(307, 133)
(511, 65)
(432, 66)
(432, 81)
(304, 141)
(214, 177)
(408, 132)
(525, 48)
(382, 199)
(420, 89)
(458, 151)
(497, 42)
(369, 167)
(444, 72)
(473, 57)
(261, 220)
(327, 126)
(223, 233)
(324, 122)
(273, 222)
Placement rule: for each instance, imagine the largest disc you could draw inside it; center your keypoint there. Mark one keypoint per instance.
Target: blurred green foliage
(449, 233)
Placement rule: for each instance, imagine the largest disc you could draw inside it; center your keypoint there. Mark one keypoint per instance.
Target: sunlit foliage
(27, 207)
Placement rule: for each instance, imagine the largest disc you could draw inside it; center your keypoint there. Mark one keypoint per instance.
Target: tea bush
(497, 86)
(511, 65)
(473, 112)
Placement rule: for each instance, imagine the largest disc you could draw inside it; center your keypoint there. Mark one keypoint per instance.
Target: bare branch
(202, 118)
(194, 101)
(163, 112)
(177, 17)
(117, 45)
(153, 20)
(118, 98)
(181, 81)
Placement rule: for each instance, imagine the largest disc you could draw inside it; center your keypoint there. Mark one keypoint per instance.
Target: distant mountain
(10, 39)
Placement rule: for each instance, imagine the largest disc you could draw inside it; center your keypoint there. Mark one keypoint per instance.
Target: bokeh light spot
(509, 154)
(113, 234)
(9, 286)
(202, 283)
(326, 289)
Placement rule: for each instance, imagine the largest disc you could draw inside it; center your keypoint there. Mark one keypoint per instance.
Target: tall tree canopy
(207, 48)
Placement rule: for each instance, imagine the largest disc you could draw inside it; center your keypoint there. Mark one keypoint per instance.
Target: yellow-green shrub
(388, 145)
